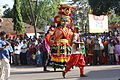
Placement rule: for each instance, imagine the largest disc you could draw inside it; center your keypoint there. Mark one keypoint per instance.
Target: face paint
(62, 23)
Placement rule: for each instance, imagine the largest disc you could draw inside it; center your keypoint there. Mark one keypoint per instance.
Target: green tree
(8, 13)
(99, 7)
(81, 15)
(114, 19)
(18, 22)
(39, 12)
(102, 7)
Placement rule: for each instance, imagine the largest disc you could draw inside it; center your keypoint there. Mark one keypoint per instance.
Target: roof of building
(7, 26)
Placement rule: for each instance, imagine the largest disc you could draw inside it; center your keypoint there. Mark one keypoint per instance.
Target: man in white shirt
(17, 50)
(23, 58)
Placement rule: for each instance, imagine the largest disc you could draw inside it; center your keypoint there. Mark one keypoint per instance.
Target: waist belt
(62, 41)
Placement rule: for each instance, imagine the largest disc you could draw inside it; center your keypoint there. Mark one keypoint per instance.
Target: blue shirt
(3, 53)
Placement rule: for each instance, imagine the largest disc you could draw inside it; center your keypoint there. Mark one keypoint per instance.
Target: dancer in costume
(61, 49)
(60, 40)
(77, 56)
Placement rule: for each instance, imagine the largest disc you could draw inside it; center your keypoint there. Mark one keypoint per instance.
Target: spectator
(96, 52)
(17, 53)
(111, 53)
(23, 58)
(117, 52)
(4, 58)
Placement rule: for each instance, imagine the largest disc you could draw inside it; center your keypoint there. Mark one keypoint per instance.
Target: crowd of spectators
(99, 49)
(102, 48)
(25, 51)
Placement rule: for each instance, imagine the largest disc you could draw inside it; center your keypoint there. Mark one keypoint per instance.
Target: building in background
(7, 26)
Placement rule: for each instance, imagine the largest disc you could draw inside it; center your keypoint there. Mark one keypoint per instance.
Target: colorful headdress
(65, 11)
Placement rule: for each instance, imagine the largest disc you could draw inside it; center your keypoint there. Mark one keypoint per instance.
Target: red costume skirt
(76, 59)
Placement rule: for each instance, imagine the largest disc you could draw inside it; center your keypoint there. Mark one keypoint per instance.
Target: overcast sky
(9, 2)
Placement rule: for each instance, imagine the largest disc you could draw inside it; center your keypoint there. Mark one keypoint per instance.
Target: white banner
(98, 24)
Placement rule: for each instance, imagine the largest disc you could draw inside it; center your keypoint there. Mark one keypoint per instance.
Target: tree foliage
(82, 14)
(99, 7)
(102, 7)
(114, 19)
(18, 22)
(43, 10)
(8, 13)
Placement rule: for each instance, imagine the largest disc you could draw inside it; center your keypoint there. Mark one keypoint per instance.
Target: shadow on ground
(33, 72)
(93, 75)
(109, 74)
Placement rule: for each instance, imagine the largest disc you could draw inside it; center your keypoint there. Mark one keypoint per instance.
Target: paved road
(104, 72)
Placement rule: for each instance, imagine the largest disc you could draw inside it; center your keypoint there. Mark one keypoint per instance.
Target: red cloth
(105, 43)
(47, 37)
(76, 59)
(105, 59)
